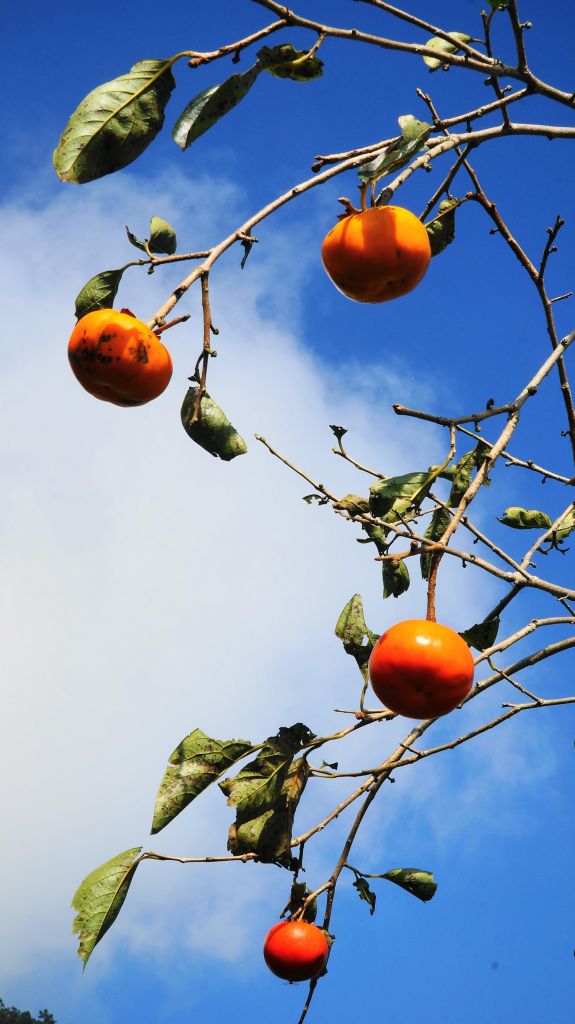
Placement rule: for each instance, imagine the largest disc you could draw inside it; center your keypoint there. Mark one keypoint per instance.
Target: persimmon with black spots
(117, 358)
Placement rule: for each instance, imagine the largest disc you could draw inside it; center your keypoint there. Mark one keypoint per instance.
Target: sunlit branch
(513, 710)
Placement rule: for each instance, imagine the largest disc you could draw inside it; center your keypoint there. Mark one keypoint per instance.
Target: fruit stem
(363, 194)
(172, 323)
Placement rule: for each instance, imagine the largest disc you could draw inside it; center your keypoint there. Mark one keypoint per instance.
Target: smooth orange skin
(296, 950)
(377, 254)
(421, 669)
(118, 358)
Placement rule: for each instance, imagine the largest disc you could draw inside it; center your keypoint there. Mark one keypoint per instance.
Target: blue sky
(147, 590)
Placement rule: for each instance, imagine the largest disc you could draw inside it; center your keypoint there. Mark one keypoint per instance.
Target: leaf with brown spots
(195, 763)
(205, 109)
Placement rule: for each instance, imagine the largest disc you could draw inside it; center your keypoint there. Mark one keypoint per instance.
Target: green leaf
(213, 430)
(357, 639)
(384, 493)
(162, 237)
(134, 240)
(279, 61)
(310, 498)
(365, 893)
(99, 292)
(525, 518)
(115, 123)
(210, 105)
(413, 130)
(266, 793)
(441, 230)
(440, 520)
(414, 134)
(350, 627)
(352, 503)
(195, 763)
(419, 883)
(566, 526)
(443, 46)
(269, 834)
(482, 635)
(463, 472)
(100, 897)
(395, 578)
(375, 535)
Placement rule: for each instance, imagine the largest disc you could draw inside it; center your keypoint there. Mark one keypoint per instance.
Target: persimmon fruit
(296, 950)
(118, 358)
(376, 254)
(421, 669)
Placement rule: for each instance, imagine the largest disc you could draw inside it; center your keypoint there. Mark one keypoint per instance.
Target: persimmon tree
(412, 523)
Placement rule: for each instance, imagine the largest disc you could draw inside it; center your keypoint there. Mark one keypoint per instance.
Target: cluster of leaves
(118, 120)
(397, 500)
(265, 794)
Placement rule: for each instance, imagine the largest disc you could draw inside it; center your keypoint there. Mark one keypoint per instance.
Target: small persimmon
(296, 950)
(376, 254)
(117, 358)
(421, 669)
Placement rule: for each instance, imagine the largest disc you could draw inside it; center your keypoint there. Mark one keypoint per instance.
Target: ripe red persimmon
(296, 950)
(376, 254)
(118, 358)
(421, 669)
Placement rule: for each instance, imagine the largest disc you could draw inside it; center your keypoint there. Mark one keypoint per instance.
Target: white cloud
(149, 589)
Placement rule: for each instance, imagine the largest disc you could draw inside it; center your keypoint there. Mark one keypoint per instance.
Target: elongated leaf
(463, 472)
(195, 763)
(440, 520)
(384, 493)
(134, 240)
(395, 578)
(205, 109)
(419, 883)
(268, 834)
(280, 62)
(350, 627)
(114, 123)
(162, 237)
(99, 292)
(441, 231)
(265, 794)
(525, 518)
(414, 134)
(213, 430)
(358, 640)
(443, 46)
(365, 893)
(375, 535)
(100, 897)
(482, 635)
